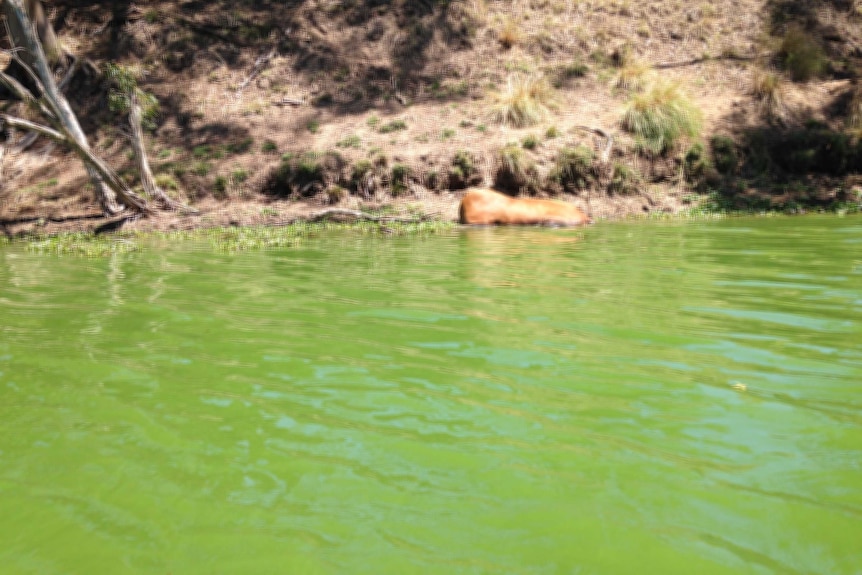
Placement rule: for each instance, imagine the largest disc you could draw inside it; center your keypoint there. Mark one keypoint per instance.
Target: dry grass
(559, 37)
(633, 75)
(510, 33)
(524, 102)
(769, 90)
(854, 112)
(660, 117)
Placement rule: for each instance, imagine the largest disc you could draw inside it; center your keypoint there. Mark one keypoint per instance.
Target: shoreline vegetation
(274, 235)
(393, 109)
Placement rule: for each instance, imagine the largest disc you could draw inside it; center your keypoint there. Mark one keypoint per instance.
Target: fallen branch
(344, 212)
(360, 216)
(115, 224)
(702, 59)
(290, 101)
(259, 64)
(211, 30)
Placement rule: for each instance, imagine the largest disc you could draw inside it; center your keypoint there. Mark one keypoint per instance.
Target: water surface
(632, 398)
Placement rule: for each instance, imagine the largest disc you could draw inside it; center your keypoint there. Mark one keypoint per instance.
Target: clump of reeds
(524, 101)
(660, 117)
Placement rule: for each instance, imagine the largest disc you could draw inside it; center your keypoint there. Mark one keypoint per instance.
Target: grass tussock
(464, 171)
(660, 117)
(510, 33)
(633, 75)
(573, 168)
(801, 55)
(724, 155)
(854, 112)
(516, 170)
(524, 101)
(768, 89)
(624, 180)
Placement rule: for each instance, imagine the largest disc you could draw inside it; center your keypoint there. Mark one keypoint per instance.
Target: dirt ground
(241, 84)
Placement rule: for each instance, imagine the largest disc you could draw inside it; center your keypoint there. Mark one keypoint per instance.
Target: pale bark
(107, 189)
(148, 182)
(36, 12)
(94, 164)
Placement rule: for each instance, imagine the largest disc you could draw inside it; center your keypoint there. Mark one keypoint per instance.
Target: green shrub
(335, 194)
(573, 168)
(240, 147)
(464, 172)
(624, 180)
(202, 168)
(220, 187)
(167, 182)
(398, 182)
(801, 55)
(269, 147)
(393, 126)
(660, 117)
(516, 171)
(724, 155)
(305, 174)
(696, 162)
(530, 142)
(565, 73)
(352, 141)
(201, 152)
(576, 69)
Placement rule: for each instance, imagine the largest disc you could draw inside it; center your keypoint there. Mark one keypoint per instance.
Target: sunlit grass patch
(768, 88)
(524, 101)
(633, 75)
(660, 117)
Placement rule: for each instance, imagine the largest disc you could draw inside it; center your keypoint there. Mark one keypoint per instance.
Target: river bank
(260, 225)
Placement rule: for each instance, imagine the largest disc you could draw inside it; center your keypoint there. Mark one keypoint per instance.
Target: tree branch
(147, 180)
(91, 161)
(106, 194)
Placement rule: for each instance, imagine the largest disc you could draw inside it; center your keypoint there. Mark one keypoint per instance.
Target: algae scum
(670, 398)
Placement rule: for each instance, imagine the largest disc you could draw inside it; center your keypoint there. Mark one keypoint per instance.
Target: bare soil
(412, 83)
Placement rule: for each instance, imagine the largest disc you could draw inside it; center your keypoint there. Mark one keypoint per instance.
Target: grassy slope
(392, 92)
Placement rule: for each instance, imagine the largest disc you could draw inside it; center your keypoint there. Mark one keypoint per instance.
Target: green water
(633, 398)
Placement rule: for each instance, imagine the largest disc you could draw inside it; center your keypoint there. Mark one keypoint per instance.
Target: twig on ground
(259, 65)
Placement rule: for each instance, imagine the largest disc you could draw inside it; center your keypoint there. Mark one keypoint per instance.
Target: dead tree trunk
(36, 12)
(148, 182)
(65, 117)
